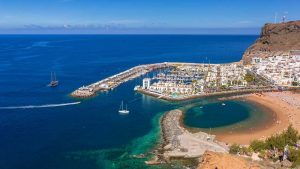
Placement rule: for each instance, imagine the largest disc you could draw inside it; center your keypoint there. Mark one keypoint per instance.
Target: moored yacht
(122, 110)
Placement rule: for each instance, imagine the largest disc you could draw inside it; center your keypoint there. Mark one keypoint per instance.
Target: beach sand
(285, 107)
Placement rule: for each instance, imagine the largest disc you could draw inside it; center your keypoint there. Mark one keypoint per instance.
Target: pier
(115, 80)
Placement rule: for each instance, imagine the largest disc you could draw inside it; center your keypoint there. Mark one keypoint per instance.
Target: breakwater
(115, 80)
(180, 143)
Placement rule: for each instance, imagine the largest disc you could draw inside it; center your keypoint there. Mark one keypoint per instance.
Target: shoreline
(277, 124)
(198, 96)
(177, 142)
(283, 113)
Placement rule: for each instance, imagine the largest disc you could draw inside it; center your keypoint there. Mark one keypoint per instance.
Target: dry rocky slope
(213, 160)
(275, 39)
(216, 160)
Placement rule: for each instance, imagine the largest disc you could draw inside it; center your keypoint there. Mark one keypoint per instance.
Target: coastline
(177, 142)
(192, 97)
(283, 114)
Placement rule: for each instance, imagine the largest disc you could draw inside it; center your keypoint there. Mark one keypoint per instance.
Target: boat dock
(115, 80)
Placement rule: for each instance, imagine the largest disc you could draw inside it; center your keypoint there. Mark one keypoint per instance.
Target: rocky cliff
(275, 39)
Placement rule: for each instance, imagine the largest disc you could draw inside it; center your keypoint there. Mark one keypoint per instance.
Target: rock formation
(213, 160)
(275, 39)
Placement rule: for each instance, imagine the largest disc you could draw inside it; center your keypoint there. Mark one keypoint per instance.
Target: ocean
(41, 131)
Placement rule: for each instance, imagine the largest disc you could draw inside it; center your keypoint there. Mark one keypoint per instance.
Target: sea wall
(180, 143)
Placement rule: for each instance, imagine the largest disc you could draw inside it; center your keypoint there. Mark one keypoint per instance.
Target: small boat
(136, 88)
(122, 110)
(53, 81)
(223, 104)
(201, 107)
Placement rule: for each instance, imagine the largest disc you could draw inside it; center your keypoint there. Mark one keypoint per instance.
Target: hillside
(275, 39)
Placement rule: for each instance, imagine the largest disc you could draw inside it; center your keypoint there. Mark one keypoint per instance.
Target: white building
(146, 83)
(171, 87)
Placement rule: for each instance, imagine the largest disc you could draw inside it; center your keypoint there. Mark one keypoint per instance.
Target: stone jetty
(115, 80)
(178, 142)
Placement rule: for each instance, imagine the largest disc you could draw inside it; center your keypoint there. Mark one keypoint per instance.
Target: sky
(142, 16)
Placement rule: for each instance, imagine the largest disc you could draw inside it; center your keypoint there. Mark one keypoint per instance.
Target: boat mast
(122, 105)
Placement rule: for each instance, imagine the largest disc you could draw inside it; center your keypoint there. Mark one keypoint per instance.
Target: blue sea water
(91, 134)
(227, 116)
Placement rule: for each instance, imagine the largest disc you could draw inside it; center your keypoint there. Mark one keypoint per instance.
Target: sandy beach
(285, 107)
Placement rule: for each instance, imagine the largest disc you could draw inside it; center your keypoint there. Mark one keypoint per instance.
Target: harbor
(116, 80)
(122, 77)
(177, 81)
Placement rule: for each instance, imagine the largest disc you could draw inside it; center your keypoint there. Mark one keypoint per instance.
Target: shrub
(295, 83)
(294, 155)
(291, 136)
(249, 78)
(296, 163)
(246, 151)
(276, 141)
(257, 145)
(234, 149)
(279, 141)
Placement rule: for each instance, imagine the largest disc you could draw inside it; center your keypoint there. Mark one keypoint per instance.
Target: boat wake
(40, 106)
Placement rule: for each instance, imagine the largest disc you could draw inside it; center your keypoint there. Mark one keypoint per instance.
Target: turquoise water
(91, 135)
(225, 116)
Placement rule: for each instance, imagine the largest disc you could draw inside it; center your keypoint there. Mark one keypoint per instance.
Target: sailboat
(53, 81)
(122, 110)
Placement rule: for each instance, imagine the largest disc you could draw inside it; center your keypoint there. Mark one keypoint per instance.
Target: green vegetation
(294, 156)
(295, 83)
(288, 137)
(223, 87)
(249, 77)
(234, 149)
(272, 146)
(258, 145)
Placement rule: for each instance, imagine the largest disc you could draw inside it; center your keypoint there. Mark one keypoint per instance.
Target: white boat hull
(123, 111)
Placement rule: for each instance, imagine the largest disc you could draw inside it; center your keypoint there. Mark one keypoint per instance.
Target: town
(185, 81)
(181, 81)
(282, 70)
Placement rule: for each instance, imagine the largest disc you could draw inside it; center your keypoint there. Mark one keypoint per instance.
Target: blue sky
(142, 16)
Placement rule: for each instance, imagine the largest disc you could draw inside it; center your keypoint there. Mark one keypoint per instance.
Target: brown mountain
(275, 39)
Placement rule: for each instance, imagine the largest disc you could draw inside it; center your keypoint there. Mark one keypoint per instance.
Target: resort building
(282, 70)
(171, 88)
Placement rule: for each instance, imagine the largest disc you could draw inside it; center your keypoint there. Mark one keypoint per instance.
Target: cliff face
(275, 39)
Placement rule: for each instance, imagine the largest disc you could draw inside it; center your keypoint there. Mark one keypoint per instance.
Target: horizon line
(191, 34)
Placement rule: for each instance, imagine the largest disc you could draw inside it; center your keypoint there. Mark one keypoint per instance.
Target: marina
(177, 81)
(96, 123)
(115, 80)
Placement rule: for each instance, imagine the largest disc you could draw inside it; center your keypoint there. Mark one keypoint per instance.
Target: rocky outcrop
(275, 39)
(213, 160)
